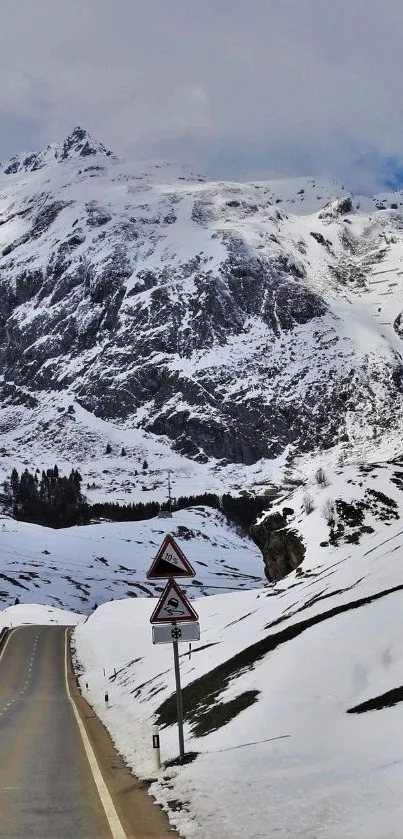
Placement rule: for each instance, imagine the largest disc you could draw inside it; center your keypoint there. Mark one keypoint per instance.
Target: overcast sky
(237, 88)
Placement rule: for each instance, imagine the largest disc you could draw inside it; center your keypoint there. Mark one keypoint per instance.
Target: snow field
(78, 567)
(294, 763)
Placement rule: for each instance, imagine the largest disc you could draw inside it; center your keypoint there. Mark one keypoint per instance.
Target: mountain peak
(78, 144)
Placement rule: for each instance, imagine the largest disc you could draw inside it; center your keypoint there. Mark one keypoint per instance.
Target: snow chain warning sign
(170, 562)
(173, 606)
(166, 633)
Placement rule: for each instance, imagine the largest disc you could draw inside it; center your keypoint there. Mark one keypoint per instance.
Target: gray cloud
(238, 88)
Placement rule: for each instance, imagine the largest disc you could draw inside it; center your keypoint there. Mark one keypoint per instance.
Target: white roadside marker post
(156, 746)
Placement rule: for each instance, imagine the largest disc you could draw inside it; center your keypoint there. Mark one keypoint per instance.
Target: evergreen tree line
(50, 498)
(57, 501)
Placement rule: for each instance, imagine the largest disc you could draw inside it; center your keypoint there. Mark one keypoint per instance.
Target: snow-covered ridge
(78, 145)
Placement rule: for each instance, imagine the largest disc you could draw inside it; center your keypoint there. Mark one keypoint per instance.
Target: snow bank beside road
(33, 613)
(266, 696)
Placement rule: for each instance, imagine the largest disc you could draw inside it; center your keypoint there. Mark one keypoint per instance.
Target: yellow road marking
(103, 792)
(7, 642)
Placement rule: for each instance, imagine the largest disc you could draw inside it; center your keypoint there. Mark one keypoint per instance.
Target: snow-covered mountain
(213, 329)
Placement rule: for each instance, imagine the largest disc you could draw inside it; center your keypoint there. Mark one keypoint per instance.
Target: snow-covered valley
(78, 568)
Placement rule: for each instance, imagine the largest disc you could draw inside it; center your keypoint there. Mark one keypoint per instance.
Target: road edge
(130, 794)
(113, 819)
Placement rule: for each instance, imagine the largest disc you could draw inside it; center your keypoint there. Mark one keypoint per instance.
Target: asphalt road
(47, 790)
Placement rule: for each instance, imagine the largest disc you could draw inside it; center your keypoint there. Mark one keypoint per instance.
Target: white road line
(12, 631)
(103, 792)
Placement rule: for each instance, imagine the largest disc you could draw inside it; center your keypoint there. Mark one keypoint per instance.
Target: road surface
(51, 786)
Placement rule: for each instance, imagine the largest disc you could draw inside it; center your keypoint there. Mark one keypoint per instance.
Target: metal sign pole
(179, 700)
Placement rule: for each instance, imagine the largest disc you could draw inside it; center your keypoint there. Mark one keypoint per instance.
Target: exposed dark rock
(79, 143)
(282, 547)
(337, 207)
(97, 216)
(398, 325)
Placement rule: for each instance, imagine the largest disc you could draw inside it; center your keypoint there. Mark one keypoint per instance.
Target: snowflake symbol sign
(176, 633)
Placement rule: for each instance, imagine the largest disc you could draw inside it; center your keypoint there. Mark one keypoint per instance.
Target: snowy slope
(267, 694)
(79, 567)
(214, 329)
(372, 495)
(60, 430)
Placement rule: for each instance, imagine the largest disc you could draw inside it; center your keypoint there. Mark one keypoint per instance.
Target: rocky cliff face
(238, 321)
(283, 549)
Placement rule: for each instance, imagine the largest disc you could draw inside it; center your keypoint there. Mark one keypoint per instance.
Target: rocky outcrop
(282, 547)
(337, 207)
(398, 325)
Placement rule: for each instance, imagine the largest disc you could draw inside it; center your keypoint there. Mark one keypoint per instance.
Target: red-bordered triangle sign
(173, 606)
(170, 562)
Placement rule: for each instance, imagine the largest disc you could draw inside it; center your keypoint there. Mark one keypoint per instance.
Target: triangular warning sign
(173, 606)
(170, 562)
